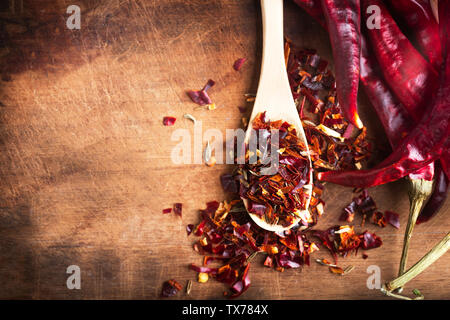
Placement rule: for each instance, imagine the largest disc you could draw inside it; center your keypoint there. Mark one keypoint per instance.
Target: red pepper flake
(365, 256)
(392, 218)
(170, 288)
(201, 97)
(229, 184)
(238, 63)
(378, 219)
(189, 229)
(177, 209)
(370, 240)
(166, 211)
(336, 270)
(169, 121)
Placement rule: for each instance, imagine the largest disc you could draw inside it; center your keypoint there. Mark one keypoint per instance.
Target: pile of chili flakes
(332, 140)
(229, 240)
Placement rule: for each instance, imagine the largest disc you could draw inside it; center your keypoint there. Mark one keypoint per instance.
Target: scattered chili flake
(392, 218)
(177, 209)
(189, 287)
(370, 240)
(378, 219)
(336, 270)
(189, 229)
(229, 184)
(341, 240)
(169, 121)
(201, 97)
(203, 277)
(233, 240)
(170, 288)
(239, 63)
(325, 262)
(365, 256)
(166, 211)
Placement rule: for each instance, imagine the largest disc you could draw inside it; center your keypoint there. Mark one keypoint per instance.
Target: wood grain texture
(85, 167)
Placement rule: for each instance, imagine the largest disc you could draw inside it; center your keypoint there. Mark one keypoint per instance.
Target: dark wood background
(85, 165)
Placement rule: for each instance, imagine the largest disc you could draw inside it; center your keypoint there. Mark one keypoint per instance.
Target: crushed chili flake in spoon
(279, 198)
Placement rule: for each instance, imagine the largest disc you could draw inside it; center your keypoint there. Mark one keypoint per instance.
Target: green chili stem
(438, 250)
(419, 191)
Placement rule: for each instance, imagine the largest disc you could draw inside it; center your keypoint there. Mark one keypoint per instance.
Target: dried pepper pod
(344, 23)
(437, 198)
(421, 147)
(396, 123)
(418, 16)
(406, 71)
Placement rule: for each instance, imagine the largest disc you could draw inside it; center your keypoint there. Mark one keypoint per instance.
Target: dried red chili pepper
(166, 211)
(437, 198)
(408, 74)
(394, 118)
(422, 146)
(419, 18)
(343, 22)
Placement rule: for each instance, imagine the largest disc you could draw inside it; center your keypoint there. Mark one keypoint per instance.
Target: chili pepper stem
(438, 250)
(419, 191)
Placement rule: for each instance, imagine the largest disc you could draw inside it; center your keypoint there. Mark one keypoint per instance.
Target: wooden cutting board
(85, 167)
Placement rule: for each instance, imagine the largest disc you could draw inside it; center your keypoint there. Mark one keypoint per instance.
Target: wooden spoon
(274, 94)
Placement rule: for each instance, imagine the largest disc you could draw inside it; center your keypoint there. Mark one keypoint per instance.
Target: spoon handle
(273, 81)
(274, 92)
